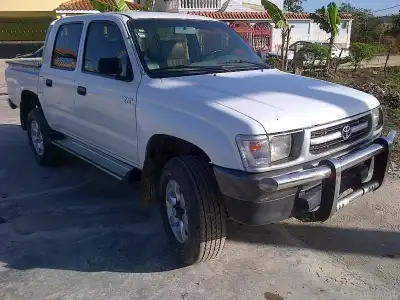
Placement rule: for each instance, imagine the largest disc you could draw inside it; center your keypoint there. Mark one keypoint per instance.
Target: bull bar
(329, 172)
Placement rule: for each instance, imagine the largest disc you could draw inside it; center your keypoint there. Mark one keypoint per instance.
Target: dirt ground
(73, 232)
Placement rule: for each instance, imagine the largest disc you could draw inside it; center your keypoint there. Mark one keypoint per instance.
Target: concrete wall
(309, 31)
(279, 3)
(161, 5)
(29, 5)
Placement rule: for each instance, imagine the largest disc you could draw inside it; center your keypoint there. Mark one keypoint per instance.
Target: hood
(278, 100)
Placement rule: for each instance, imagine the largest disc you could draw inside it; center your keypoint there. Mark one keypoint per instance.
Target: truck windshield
(178, 47)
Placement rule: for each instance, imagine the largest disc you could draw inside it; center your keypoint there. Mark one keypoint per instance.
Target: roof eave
(61, 12)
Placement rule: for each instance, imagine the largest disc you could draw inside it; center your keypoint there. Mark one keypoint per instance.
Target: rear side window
(105, 52)
(65, 52)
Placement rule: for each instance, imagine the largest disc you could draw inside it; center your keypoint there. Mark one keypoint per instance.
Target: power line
(387, 8)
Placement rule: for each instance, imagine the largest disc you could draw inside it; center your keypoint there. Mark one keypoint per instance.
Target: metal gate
(258, 35)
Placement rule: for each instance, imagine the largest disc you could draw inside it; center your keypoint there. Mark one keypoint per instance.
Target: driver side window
(105, 52)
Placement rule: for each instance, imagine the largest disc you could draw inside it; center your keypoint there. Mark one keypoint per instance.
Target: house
(249, 19)
(27, 21)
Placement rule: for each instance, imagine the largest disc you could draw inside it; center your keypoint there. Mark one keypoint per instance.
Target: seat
(174, 52)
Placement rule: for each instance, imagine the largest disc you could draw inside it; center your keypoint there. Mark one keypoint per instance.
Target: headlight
(280, 146)
(377, 118)
(258, 152)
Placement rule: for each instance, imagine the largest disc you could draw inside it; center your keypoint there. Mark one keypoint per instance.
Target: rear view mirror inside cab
(185, 30)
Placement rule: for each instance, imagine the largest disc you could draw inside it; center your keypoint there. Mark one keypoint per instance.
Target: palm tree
(280, 21)
(328, 20)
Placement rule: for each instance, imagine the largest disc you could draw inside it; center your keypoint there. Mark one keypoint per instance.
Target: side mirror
(110, 66)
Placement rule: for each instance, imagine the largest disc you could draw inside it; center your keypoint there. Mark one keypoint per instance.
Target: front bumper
(258, 199)
(12, 105)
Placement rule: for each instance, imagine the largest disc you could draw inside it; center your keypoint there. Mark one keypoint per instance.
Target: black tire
(205, 210)
(50, 155)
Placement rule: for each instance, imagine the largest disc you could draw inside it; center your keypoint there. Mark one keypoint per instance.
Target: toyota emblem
(346, 132)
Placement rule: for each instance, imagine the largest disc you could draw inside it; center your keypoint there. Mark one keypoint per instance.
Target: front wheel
(192, 209)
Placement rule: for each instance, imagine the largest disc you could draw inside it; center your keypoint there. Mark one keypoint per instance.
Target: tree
(392, 38)
(390, 42)
(280, 21)
(360, 52)
(293, 5)
(396, 22)
(328, 20)
(395, 27)
(365, 26)
(119, 5)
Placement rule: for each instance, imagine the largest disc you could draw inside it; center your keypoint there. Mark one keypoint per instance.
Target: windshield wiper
(189, 67)
(242, 61)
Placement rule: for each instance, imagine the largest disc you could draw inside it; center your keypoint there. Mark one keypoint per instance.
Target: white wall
(300, 31)
(308, 31)
(279, 3)
(160, 5)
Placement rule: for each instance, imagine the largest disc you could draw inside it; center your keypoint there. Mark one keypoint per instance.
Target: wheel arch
(159, 150)
(29, 100)
(163, 147)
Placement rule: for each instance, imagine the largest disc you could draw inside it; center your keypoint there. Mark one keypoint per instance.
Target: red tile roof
(306, 16)
(86, 5)
(256, 15)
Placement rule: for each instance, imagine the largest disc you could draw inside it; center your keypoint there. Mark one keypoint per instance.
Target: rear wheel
(192, 209)
(39, 132)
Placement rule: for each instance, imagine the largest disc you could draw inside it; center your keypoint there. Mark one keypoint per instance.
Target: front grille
(329, 138)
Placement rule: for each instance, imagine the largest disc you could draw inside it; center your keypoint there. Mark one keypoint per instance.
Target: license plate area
(354, 177)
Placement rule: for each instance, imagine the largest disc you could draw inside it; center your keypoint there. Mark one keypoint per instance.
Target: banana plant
(281, 22)
(118, 6)
(328, 20)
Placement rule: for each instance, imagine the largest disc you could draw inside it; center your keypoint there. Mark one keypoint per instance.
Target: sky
(311, 5)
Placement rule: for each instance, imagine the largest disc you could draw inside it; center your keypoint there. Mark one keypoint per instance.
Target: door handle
(49, 82)
(81, 90)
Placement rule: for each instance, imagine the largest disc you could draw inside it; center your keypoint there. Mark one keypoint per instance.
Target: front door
(106, 92)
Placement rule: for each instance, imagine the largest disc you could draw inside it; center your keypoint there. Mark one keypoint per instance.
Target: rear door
(57, 76)
(106, 91)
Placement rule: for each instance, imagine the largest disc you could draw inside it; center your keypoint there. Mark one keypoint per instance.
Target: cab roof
(164, 15)
(142, 15)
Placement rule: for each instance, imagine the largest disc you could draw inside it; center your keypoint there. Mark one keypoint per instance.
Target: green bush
(274, 61)
(360, 52)
(315, 54)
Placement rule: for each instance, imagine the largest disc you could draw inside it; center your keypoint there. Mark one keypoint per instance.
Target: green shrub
(360, 52)
(315, 54)
(274, 61)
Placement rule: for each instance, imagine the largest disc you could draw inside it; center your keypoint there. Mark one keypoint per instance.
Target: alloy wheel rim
(37, 138)
(177, 211)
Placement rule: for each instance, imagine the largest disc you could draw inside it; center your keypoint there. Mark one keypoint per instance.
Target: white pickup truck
(213, 132)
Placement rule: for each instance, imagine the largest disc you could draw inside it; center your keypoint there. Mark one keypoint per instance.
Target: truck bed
(28, 62)
(22, 75)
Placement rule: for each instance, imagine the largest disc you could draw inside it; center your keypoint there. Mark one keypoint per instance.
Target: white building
(247, 17)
